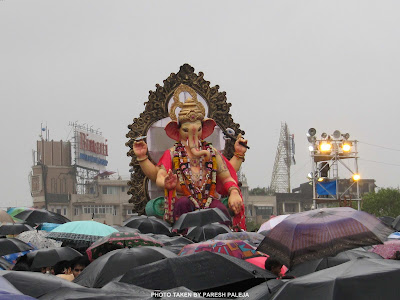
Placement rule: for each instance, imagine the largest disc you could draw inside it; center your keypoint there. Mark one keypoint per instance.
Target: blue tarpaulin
(326, 188)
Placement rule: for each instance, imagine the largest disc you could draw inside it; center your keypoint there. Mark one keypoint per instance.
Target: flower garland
(202, 196)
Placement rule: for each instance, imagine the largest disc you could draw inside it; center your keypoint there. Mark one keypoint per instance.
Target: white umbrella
(271, 223)
(38, 239)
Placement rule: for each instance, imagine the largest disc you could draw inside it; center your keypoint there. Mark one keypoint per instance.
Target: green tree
(385, 202)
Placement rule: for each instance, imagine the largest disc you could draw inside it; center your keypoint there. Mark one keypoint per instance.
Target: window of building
(99, 209)
(76, 211)
(264, 210)
(65, 211)
(123, 189)
(291, 207)
(130, 212)
(110, 190)
(54, 186)
(59, 211)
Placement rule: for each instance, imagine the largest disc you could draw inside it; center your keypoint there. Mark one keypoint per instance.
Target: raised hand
(239, 148)
(170, 180)
(235, 201)
(140, 149)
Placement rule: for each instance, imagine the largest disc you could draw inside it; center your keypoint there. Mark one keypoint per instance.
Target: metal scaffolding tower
(280, 180)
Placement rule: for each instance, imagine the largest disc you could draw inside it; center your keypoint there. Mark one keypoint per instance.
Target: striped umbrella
(322, 232)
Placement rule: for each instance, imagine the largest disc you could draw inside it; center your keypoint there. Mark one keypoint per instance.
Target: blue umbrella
(81, 231)
(47, 226)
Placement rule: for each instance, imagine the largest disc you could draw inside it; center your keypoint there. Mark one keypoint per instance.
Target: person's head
(47, 270)
(78, 265)
(273, 265)
(62, 267)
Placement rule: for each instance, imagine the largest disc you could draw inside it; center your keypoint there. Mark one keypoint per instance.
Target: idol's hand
(239, 148)
(170, 180)
(140, 149)
(235, 201)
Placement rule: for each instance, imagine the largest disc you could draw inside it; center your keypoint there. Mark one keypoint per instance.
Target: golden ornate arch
(156, 108)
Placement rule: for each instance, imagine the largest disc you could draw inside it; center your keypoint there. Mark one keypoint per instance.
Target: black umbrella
(13, 229)
(202, 271)
(37, 216)
(148, 225)
(125, 229)
(173, 243)
(35, 284)
(50, 256)
(117, 262)
(200, 218)
(206, 232)
(311, 266)
(387, 220)
(362, 278)
(12, 245)
(115, 290)
(263, 291)
(396, 223)
(4, 264)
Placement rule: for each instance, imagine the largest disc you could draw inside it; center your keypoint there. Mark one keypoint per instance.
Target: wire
(387, 148)
(380, 162)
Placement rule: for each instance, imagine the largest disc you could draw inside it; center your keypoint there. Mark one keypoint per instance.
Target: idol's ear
(172, 130)
(208, 128)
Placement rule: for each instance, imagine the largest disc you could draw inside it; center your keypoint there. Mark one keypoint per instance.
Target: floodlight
(311, 132)
(346, 136)
(356, 177)
(310, 176)
(337, 134)
(346, 147)
(311, 148)
(311, 139)
(324, 135)
(320, 179)
(325, 147)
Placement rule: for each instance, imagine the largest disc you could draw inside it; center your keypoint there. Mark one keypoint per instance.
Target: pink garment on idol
(239, 219)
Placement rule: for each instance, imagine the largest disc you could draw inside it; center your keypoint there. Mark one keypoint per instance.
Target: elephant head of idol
(190, 127)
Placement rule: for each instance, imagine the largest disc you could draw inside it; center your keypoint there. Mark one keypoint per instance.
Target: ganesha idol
(193, 174)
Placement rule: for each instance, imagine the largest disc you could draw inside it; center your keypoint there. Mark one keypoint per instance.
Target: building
(301, 198)
(259, 208)
(75, 192)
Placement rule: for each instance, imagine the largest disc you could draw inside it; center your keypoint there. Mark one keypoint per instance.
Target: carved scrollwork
(156, 108)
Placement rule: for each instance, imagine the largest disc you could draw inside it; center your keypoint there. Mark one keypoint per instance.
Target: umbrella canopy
(47, 226)
(253, 237)
(5, 264)
(118, 240)
(236, 248)
(271, 223)
(50, 256)
(37, 216)
(125, 229)
(388, 249)
(263, 291)
(396, 223)
(35, 284)
(16, 210)
(198, 272)
(115, 290)
(117, 262)
(387, 220)
(200, 218)
(173, 243)
(81, 231)
(394, 235)
(148, 225)
(206, 232)
(322, 232)
(5, 217)
(38, 239)
(357, 279)
(13, 229)
(311, 266)
(12, 245)
(8, 291)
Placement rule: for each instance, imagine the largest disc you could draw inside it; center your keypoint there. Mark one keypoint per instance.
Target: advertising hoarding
(91, 150)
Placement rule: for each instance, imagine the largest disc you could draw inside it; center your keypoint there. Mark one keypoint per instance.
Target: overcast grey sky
(323, 64)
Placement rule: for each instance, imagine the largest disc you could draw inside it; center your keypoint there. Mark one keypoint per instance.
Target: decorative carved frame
(156, 108)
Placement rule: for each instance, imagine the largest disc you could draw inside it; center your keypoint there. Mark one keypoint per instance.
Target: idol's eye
(185, 130)
(199, 128)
